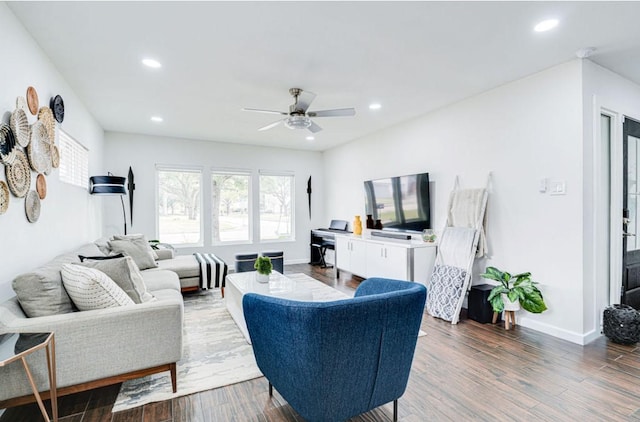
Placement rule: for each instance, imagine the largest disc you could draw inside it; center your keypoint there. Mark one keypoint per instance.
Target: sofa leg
(174, 377)
(222, 291)
(270, 390)
(395, 411)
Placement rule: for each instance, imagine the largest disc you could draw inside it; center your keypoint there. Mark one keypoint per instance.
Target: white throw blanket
(456, 247)
(465, 208)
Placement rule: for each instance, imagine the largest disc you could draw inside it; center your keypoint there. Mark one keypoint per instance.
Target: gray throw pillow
(136, 236)
(136, 249)
(126, 274)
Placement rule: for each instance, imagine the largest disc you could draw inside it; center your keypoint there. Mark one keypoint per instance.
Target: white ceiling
(412, 57)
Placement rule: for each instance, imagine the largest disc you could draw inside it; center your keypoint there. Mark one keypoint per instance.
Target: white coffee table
(239, 284)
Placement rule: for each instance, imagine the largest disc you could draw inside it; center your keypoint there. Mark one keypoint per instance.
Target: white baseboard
(571, 336)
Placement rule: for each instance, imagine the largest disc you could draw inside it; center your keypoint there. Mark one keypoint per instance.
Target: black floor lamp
(109, 185)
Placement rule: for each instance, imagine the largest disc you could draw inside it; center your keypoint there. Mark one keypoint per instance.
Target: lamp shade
(107, 185)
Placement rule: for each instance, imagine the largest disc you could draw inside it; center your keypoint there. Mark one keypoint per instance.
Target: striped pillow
(92, 289)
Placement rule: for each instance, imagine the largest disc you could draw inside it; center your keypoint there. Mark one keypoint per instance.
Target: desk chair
(322, 250)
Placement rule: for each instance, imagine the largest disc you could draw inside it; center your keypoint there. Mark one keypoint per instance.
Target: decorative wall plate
(19, 175)
(20, 126)
(7, 145)
(21, 103)
(57, 106)
(39, 149)
(55, 156)
(41, 186)
(32, 100)
(4, 197)
(32, 206)
(45, 115)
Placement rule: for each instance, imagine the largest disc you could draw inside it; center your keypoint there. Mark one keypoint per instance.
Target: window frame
(237, 172)
(292, 205)
(187, 169)
(81, 181)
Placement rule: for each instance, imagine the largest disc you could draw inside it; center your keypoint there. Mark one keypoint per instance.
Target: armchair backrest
(335, 360)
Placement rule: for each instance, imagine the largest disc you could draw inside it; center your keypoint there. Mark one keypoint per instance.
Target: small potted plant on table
(512, 292)
(263, 267)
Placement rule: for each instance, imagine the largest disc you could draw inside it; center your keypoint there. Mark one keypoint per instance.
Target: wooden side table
(17, 346)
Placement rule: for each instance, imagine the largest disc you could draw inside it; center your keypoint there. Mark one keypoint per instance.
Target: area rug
(214, 354)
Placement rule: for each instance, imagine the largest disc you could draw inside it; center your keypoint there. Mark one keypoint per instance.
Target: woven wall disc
(4, 197)
(19, 175)
(39, 149)
(20, 126)
(32, 100)
(41, 186)
(32, 206)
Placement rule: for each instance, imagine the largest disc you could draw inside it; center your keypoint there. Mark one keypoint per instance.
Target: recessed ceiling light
(157, 119)
(375, 106)
(310, 138)
(546, 25)
(152, 63)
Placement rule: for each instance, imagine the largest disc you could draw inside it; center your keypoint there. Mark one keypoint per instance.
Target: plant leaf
(497, 304)
(492, 273)
(533, 301)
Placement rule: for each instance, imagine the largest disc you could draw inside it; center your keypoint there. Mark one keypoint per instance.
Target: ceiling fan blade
(305, 98)
(265, 111)
(314, 128)
(269, 126)
(333, 113)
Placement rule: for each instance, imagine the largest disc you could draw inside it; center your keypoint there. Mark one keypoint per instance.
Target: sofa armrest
(165, 253)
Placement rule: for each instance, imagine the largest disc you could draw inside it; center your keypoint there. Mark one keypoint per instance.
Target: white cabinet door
(387, 261)
(343, 253)
(358, 257)
(396, 261)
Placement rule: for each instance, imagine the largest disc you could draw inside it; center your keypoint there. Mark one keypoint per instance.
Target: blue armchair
(335, 360)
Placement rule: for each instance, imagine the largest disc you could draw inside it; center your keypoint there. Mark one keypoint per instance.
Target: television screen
(401, 203)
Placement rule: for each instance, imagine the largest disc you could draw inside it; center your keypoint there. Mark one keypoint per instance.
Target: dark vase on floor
(370, 223)
(378, 225)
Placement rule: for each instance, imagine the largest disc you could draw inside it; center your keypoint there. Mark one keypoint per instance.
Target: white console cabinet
(367, 256)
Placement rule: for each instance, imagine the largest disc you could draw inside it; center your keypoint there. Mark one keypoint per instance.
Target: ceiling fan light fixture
(297, 122)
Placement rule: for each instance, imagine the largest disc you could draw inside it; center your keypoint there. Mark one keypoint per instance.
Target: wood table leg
(35, 390)
(495, 318)
(53, 389)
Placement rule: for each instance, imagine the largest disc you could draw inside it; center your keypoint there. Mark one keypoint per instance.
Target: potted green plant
(514, 291)
(263, 267)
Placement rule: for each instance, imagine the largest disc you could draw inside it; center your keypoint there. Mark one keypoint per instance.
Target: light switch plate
(558, 187)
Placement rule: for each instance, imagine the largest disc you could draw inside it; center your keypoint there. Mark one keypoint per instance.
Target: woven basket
(621, 324)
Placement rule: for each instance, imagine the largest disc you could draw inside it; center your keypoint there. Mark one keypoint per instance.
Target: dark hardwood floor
(468, 371)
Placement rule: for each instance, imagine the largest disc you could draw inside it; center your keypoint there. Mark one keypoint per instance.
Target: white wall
(69, 216)
(521, 132)
(603, 89)
(142, 153)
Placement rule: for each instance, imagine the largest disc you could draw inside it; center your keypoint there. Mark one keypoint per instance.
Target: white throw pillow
(92, 289)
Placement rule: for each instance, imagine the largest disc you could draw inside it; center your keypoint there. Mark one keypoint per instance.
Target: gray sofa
(100, 347)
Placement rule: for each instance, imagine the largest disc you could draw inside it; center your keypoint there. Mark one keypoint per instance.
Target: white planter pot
(509, 305)
(262, 278)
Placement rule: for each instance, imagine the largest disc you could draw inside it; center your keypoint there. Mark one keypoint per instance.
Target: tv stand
(371, 256)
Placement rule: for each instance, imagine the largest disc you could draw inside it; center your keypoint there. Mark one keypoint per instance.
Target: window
(276, 206)
(74, 161)
(230, 207)
(179, 206)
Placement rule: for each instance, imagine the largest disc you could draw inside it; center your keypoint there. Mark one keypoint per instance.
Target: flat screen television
(401, 203)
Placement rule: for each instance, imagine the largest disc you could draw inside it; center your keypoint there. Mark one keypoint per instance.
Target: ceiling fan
(298, 117)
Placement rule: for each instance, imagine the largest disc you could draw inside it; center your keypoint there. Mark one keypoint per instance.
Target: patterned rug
(214, 355)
